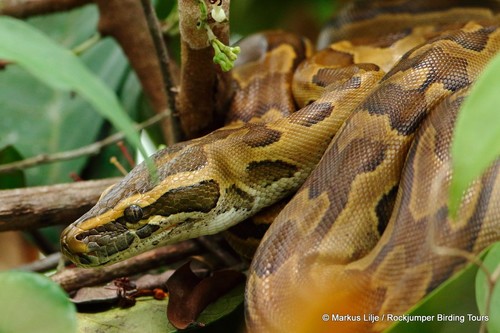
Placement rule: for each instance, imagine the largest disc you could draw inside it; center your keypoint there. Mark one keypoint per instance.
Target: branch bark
(27, 8)
(204, 88)
(37, 207)
(166, 68)
(75, 278)
(124, 20)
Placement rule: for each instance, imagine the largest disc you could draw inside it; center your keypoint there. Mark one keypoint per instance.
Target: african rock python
(327, 251)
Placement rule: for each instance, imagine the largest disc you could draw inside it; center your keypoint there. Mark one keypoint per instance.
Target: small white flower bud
(218, 14)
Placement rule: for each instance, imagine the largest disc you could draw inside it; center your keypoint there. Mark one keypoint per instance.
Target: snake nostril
(73, 240)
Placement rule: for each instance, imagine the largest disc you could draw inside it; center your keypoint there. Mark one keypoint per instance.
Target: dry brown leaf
(190, 295)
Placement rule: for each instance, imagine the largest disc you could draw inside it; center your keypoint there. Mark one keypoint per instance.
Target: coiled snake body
(365, 233)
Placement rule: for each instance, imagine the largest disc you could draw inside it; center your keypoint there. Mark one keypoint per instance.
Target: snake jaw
(70, 243)
(84, 251)
(88, 244)
(79, 252)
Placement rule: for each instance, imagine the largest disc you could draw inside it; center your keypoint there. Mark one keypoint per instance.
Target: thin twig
(91, 149)
(126, 153)
(164, 59)
(492, 280)
(27, 8)
(113, 160)
(43, 265)
(87, 44)
(215, 248)
(468, 257)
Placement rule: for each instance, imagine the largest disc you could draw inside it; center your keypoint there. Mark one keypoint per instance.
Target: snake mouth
(79, 259)
(104, 245)
(88, 248)
(88, 260)
(110, 242)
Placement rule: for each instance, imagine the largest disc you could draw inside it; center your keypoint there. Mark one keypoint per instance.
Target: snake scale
(366, 154)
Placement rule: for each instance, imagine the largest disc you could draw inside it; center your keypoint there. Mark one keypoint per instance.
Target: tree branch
(165, 61)
(124, 20)
(204, 88)
(37, 207)
(42, 265)
(75, 278)
(27, 8)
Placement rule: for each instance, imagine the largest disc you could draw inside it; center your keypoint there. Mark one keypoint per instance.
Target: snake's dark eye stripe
(133, 213)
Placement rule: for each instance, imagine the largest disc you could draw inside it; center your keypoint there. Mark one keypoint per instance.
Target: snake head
(136, 215)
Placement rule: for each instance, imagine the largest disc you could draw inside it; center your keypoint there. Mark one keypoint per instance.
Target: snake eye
(133, 213)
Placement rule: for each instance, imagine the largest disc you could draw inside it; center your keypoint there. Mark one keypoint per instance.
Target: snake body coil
(368, 152)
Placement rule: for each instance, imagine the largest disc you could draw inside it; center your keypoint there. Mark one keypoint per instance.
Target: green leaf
(33, 303)
(61, 130)
(454, 297)
(146, 316)
(130, 95)
(61, 69)
(68, 28)
(149, 316)
(491, 262)
(39, 120)
(476, 142)
(223, 306)
(13, 179)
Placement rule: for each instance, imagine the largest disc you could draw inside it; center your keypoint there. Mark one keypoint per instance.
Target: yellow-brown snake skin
(366, 154)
